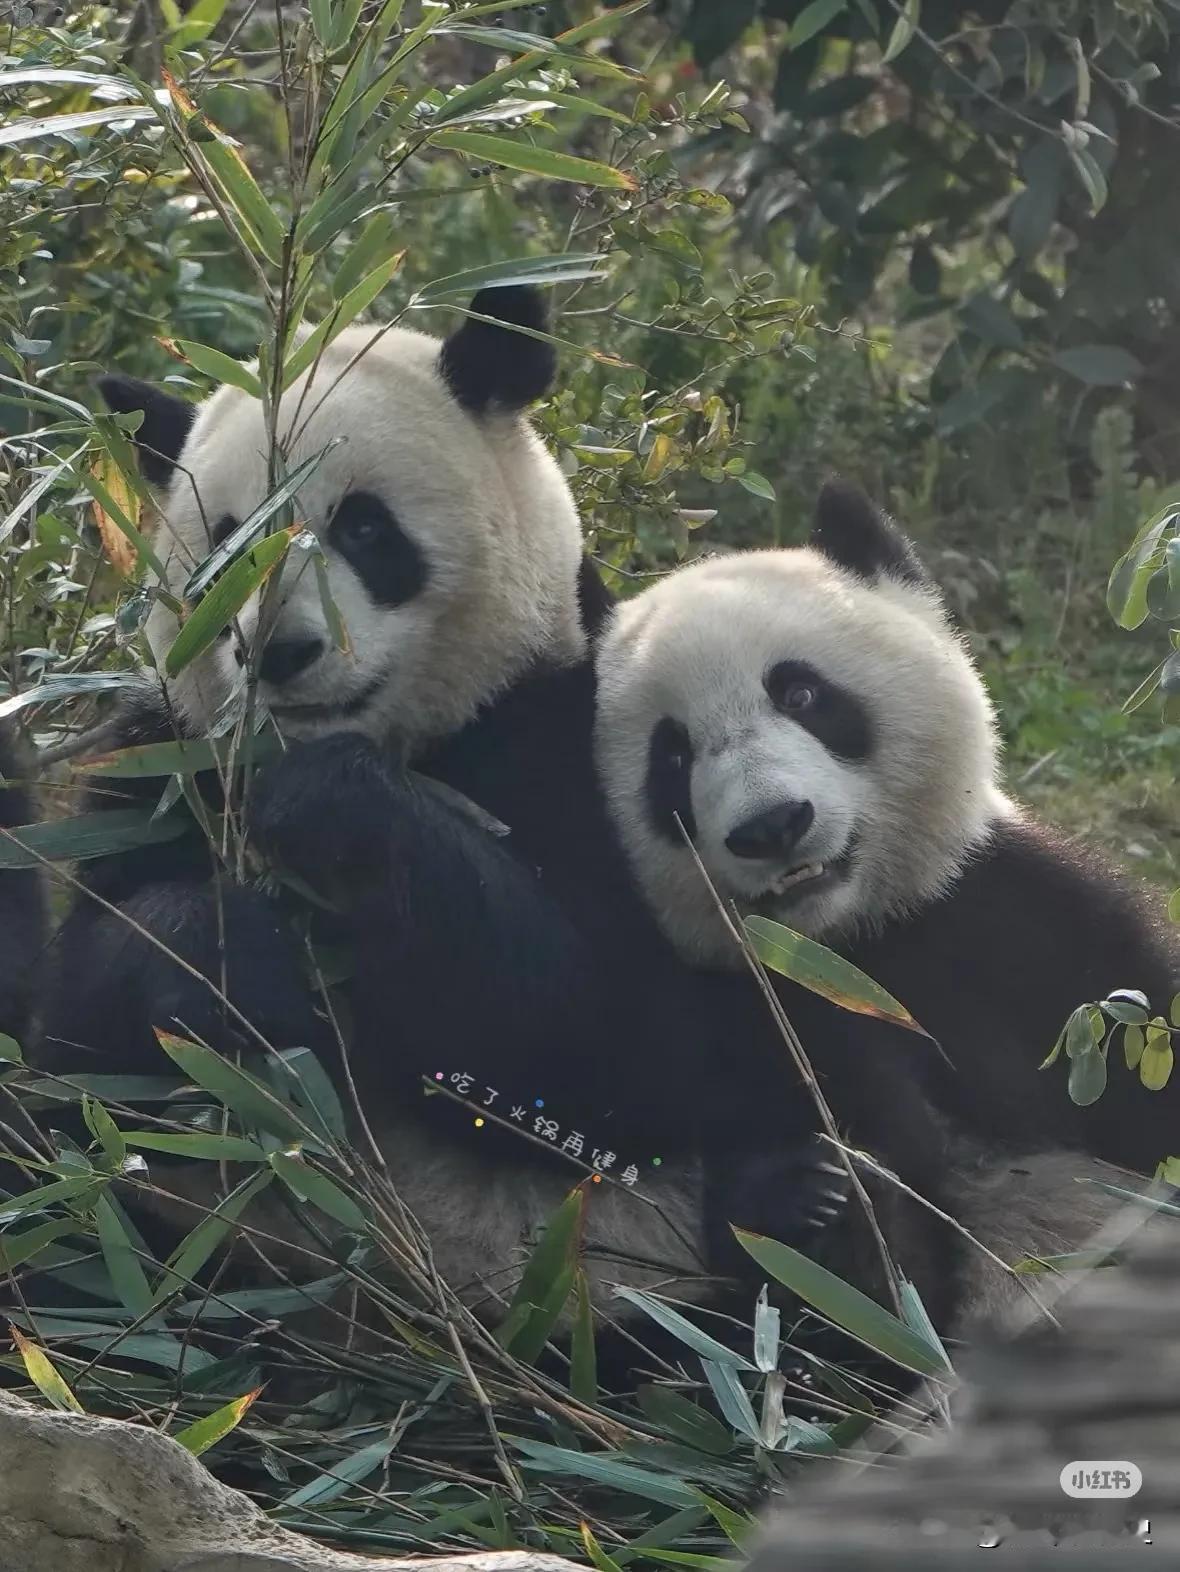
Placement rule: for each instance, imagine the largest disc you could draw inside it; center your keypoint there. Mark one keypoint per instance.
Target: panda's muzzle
(772, 834)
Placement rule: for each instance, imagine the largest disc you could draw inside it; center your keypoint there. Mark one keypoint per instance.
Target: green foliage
(1034, 137)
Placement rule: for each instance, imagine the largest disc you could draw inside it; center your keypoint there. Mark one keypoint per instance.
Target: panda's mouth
(349, 706)
(803, 880)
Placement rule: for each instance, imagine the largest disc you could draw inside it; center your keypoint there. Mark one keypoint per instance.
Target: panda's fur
(22, 895)
(813, 721)
(529, 964)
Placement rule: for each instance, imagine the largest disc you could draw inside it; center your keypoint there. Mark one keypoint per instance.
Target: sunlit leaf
(82, 120)
(222, 368)
(43, 1374)
(357, 300)
(204, 1433)
(533, 160)
(822, 971)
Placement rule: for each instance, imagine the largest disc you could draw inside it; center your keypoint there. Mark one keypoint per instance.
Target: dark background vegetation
(933, 247)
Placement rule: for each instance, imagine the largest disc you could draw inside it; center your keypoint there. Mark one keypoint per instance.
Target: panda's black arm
(112, 972)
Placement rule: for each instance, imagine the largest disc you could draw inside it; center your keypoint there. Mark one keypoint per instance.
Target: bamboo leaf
(812, 20)
(15, 1249)
(195, 1249)
(531, 159)
(43, 1374)
(122, 1262)
(253, 524)
(204, 1433)
(241, 1092)
(229, 170)
(561, 267)
(822, 971)
(604, 1469)
(87, 835)
(861, 1317)
(357, 300)
(672, 1321)
(116, 543)
(218, 1148)
(308, 1184)
(221, 604)
(545, 1282)
(62, 125)
(903, 30)
(348, 1471)
(185, 756)
(583, 1358)
(222, 368)
(732, 1399)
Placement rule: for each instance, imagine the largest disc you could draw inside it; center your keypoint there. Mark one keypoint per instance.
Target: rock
(79, 1494)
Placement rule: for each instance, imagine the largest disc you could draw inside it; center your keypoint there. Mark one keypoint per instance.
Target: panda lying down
(808, 715)
(811, 721)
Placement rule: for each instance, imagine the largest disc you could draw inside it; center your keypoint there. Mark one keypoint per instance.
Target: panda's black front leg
(461, 962)
(794, 1194)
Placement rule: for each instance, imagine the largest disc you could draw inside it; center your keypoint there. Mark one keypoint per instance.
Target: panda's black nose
(283, 659)
(773, 833)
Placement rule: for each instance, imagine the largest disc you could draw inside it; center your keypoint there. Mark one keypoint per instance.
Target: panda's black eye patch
(379, 551)
(668, 787)
(832, 714)
(224, 527)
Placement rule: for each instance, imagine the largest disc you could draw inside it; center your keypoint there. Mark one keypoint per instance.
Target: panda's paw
(793, 1195)
(323, 810)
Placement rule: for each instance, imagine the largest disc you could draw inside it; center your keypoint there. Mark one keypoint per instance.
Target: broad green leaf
(297, 1075)
(1100, 365)
(732, 1398)
(222, 368)
(44, 1375)
(812, 20)
(374, 240)
(185, 756)
(262, 1303)
(308, 1184)
(73, 1189)
(1034, 211)
(598, 1556)
(10, 1050)
(241, 1092)
(545, 1283)
(195, 1249)
(1090, 173)
(1128, 1005)
(103, 1128)
(686, 1421)
(672, 1321)
(357, 300)
(15, 1249)
(1155, 1065)
(259, 220)
(561, 267)
(86, 835)
(112, 86)
(605, 1469)
(1134, 1043)
(52, 690)
(822, 971)
(61, 125)
(221, 604)
(122, 1262)
(903, 30)
(204, 1433)
(861, 1317)
(757, 484)
(343, 1473)
(253, 524)
(217, 1148)
(736, 1526)
(531, 159)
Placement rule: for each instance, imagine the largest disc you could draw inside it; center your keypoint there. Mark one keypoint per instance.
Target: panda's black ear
(485, 364)
(165, 425)
(853, 532)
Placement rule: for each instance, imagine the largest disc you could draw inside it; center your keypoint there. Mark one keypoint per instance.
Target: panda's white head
(450, 537)
(812, 720)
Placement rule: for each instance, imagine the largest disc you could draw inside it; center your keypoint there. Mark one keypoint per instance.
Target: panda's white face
(449, 536)
(822, 736)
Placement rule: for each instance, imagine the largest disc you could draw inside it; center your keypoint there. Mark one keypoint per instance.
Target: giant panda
(812, 722)
(524, 968)
(22, 896)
